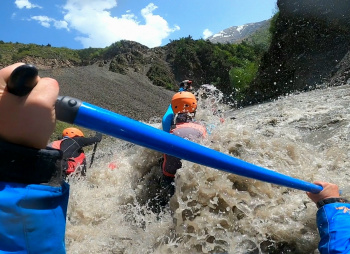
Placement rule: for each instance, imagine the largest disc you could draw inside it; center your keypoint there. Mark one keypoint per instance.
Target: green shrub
(241, 78)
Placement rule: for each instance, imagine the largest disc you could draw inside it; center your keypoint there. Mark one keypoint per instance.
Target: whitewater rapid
(302, 135)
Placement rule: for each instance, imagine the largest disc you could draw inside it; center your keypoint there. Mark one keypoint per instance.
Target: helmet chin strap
(184, 117)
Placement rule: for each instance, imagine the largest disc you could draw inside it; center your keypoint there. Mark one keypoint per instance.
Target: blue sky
(78, 24)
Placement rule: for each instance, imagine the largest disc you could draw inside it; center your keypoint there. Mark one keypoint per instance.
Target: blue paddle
(86, 115)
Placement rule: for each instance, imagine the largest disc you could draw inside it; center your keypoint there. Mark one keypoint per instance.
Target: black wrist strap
(22, 164)
(326, 201)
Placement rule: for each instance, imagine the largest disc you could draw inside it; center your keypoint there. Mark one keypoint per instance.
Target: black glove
(98, 135)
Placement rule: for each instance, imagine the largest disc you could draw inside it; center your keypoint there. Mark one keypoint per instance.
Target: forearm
(167, 119)
(82, 141)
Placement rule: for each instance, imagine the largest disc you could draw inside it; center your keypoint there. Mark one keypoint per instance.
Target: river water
(114, 210)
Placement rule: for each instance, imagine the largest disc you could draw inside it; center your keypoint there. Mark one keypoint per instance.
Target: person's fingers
(321, 183)
(308, 194)
(330, 190)
(28, 120)
(45, 92)
(5, 74)
(39, 109)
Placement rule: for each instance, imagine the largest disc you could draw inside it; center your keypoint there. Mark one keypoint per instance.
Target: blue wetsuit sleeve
(167, 119)
(333, 222)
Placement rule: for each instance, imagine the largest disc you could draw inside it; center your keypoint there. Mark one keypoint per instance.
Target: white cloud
(25, 4)
(207, 33)
(100, 29)
(60, 24)
(43, 20)
(47, 21)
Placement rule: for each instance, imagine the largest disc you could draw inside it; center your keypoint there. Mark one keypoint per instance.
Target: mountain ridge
(307, 48)
(198, 60)
(236, 34)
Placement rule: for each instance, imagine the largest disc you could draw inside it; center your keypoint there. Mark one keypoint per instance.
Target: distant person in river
(184, 105)
(185, 85)
(71, 145)
(333, 219)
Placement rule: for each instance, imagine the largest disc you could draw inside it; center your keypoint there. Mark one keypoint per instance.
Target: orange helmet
(72, 132)
(184, 102)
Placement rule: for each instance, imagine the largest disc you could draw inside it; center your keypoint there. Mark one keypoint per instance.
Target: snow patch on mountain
(235, 34)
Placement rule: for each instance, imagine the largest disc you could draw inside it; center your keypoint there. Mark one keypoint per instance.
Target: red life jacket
(193, 125)
(170, 163)
(73, 162)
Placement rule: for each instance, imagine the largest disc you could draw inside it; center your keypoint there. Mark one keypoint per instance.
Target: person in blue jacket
(185, 85)
(184, 105)
(33, 195)
(333, 219)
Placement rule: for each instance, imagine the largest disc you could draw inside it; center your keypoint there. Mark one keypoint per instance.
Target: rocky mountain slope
(236, 34)
(131, 94)
(309, 48)
(130, 78)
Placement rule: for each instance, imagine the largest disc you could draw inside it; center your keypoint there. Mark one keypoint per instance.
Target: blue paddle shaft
(113, 124)
(72, 110)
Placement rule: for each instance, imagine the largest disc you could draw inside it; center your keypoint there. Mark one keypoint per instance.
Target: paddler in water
(34, 195)
(184, 105)
(72, 144)
(185, 85)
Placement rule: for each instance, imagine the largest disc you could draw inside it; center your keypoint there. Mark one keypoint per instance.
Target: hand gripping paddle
(22, 80)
